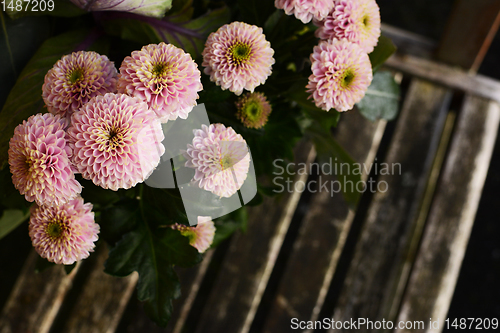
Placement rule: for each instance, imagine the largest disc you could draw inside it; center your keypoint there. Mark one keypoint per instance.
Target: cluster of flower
(341, 68)
(106, 126)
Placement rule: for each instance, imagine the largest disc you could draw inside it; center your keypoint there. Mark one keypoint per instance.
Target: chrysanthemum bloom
(253, 110)
(39, 160)
(75, 79)
(201, 236)
(358, 21)
(221, 159)
(163, 76)
(237, 57)
(116, 141)
(341, 74)
(305, 10)
(63, 234)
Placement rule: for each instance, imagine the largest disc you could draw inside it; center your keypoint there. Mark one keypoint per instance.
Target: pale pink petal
(341, 74)
(63, 234)
(237, 57)
(116, 140)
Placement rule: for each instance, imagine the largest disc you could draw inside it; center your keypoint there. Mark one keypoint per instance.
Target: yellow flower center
(114, 138)
(347, 78)
(240, 52)
(55, 229)
(253, 110)
(366, 21)
(160, 69)
(226, 162)
(75, 75)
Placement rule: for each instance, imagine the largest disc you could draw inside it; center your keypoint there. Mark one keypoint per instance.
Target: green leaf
(273, 20)
(329, 151)
(99, 197)
(189, 35)
(152, 252)
(384, 49)
(381, 100)
(11, 218)
(166, 206)
(25, 98)
(7, 43)
(298, 94)
(24, 37)
(119, 219)
(152, 8)
(61, 8)
(255, 11)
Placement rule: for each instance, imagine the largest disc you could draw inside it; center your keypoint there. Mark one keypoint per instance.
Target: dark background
(477, 294)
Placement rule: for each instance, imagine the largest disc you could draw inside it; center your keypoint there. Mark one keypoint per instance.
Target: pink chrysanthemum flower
(253, 110)
(341, 74)
(39, 160)
(358, 21)
(75, 79)
(63, 234)
(237, 57)
(163, 76)
(305, 10)
(221, 159)
(201, 236)
(116, 141)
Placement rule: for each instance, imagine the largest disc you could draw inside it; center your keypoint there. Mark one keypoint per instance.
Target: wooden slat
(248, 264)
(410, 43)
(322, 234)
(375, 271)
(450, 77)
(471, 28)
(35, 299)
(436, 269)
(102, 300)
(190, 279)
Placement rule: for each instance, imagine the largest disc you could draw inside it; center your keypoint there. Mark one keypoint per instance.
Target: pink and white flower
(63, 234)
(163, 76)
(237, 57)
(341, 74)
(39, 159)
(221, 159)
(116, 140)
(358, 21)
(200, 236)
(75, 79)
(305, 10)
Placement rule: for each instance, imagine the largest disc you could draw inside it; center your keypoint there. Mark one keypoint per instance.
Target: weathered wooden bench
(310, 255)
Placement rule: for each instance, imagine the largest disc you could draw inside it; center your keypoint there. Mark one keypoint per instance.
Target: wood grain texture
(470, 30)
(36, 298)
(322, 234)
(248, 264)
(448, 228)
(448, 76)
(375, 270)
(102, 300)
